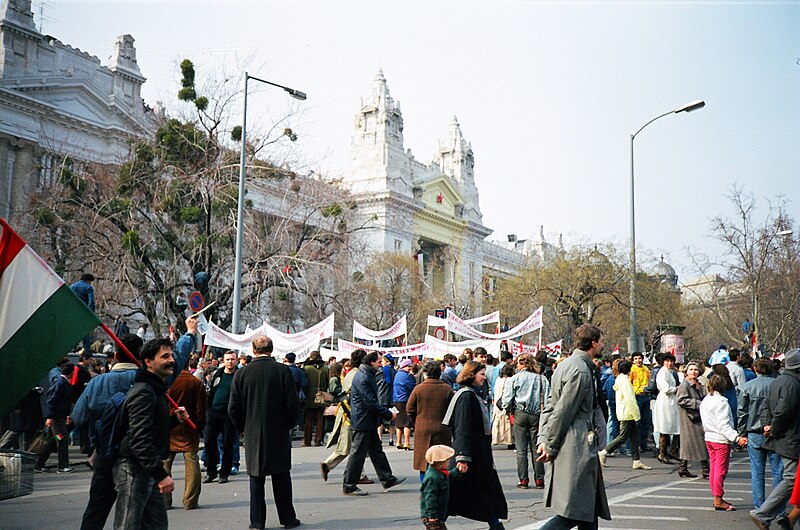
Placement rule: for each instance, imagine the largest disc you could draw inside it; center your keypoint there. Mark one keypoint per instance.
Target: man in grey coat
(264, 406)
(782, 431)
(568, 439)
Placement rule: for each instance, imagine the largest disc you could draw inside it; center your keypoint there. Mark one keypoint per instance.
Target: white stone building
(59, 105)
(429, 210)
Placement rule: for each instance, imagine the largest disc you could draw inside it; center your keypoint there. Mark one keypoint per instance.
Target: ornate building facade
(428, 210)
(59, 105)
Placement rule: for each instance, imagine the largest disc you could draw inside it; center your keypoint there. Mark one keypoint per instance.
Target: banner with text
(491, 318)
(460, 327)
(441, 347)
(423, 349)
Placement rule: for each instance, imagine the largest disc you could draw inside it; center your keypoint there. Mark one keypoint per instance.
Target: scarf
(487, 423)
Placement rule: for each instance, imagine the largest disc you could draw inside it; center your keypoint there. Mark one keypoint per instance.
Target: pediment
(440, 195)
(82, 103)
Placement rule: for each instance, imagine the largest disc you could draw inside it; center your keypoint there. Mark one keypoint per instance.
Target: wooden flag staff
(136, 361)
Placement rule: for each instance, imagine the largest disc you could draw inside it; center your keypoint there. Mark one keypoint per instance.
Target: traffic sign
(196, 302)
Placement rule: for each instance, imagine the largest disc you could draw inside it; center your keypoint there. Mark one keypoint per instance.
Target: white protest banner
(554, 348)
(441, 347)
(459, 327)
(491, 318)
(216, 336)
(398, 329)
(517, 348)
(202, 324)
(422, 349)
(319, 331)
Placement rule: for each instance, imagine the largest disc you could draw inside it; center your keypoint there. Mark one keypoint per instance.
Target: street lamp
(237, 275)
(633, 340)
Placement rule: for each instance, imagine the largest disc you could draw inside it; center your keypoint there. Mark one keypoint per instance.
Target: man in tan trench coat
(568, 441)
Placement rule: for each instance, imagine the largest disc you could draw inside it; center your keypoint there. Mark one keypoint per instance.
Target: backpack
(111, 428)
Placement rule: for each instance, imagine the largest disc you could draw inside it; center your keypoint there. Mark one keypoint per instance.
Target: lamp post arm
(649, 122)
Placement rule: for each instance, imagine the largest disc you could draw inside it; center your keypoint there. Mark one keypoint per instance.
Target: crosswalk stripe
(689, 497)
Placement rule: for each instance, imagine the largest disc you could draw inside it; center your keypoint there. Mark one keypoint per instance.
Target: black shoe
(784, 523)
(223, 480)
(394, 482)
(293, 524)
(355, 492)
(325, 468)
(209, 480)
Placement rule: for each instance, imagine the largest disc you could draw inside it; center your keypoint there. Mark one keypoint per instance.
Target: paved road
(641, 500)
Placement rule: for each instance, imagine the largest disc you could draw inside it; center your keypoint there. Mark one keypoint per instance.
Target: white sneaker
(637, 464)
(602, 457)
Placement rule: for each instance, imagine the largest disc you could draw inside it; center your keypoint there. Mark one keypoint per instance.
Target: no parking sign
(196, 302)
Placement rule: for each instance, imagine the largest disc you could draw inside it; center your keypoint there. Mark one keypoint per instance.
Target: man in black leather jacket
(139, 475)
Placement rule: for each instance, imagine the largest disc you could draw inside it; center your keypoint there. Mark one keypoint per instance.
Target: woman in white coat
(665, 411)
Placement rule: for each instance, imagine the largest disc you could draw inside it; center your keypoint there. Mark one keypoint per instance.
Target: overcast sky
(548, 93)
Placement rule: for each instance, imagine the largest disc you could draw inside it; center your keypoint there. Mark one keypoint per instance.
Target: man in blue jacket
(366, 412)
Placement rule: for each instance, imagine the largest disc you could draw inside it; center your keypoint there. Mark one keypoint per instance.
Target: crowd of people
(564, 418)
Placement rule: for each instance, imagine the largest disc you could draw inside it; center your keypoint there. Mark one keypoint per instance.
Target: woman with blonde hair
(689, 395)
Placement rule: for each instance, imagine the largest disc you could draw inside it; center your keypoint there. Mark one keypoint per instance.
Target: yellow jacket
(639, 378)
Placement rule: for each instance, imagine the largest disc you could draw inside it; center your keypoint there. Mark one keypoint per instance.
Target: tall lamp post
(633, 339)
(237, 275)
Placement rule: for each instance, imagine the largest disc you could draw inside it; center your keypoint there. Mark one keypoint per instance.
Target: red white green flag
(41, 319)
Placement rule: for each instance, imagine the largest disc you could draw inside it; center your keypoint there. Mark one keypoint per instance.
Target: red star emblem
(439, 198)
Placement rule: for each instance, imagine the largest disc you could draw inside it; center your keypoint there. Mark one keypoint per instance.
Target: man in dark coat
(366, 412)
(264, 406)
(782, 431)
(59, 400)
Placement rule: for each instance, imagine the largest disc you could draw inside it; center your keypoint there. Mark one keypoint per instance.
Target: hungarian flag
(41, 319)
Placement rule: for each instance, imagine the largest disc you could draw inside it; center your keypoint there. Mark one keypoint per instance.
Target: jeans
(139, 502)
(217, 424)
(643, 400)
(101, 495)
(774, 505)
(191, 489)
(758, 463)
(628, 431)
(281, 492)
(236, 444)
(719, 457)
(562, 523)
(366, 443)
(526, 431)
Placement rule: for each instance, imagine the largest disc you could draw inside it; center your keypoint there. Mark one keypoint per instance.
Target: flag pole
(139, 364)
